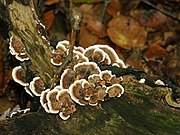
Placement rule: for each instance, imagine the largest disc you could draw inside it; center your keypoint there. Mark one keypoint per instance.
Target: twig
(106, 2)
(75, 20)
(162, 11)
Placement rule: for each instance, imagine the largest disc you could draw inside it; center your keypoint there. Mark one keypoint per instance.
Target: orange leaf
(95, 26)
(126, 32)
(114, 7)
(153, 19)
(86, 38)
(51, 2)
(48, 18)
(155, 51)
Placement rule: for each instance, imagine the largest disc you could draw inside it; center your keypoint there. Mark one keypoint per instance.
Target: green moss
(122, 39)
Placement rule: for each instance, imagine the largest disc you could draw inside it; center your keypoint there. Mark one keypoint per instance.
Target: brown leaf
(126, 32)
(114, 7)
(86, 8)
(51, 2)
(153, 19)
(48, 18)
(86, 38)
(155, 51)
(95, 26)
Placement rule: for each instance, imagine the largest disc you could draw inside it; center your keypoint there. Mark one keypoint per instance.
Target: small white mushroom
(142, 80)
(159, 82)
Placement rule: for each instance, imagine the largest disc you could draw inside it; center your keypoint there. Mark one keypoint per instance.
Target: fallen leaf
(155, 51)
(48, 18)
(51, 2)
(86, 38)
(126, 32)
(86, 8)
(86, 1)
(153, 19)
(95, 26)
(114, 7)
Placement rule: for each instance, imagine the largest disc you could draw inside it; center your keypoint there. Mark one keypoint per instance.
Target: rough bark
(141, 110)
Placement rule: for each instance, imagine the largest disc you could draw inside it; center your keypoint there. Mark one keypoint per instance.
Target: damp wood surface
(141, 110)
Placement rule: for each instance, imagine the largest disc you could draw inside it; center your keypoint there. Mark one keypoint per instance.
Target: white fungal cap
(52, 102)
(112, 54)
(74, 91)
(59, 55)
(19, 75)
(159, 82)
(97, 55)
(95, 104)
(44, 101)
(86, 69)
(61, 46)
(67, 78)
(55, 63)
(67, 106)
(80, 56)
(21, 57)
(116, 90)
(16, 46)
(36, 86)
(106, 75)
(28, 91)
(11, 48)
(62, 43)
(62, 116)
(79, 49)
(94, 76)
(142, 80)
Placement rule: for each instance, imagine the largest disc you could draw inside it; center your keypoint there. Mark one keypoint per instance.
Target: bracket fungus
(68, 106)
(59, 54)
(37, 86)
(19, 76)
(16, 48)
(44, 101)
(52, 103)
(82, 81)
(84, 69)
(116, 90)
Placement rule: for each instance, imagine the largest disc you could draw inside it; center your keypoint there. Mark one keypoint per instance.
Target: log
(141, 110)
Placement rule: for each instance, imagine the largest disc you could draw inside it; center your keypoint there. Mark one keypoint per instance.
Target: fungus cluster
(81, 83)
